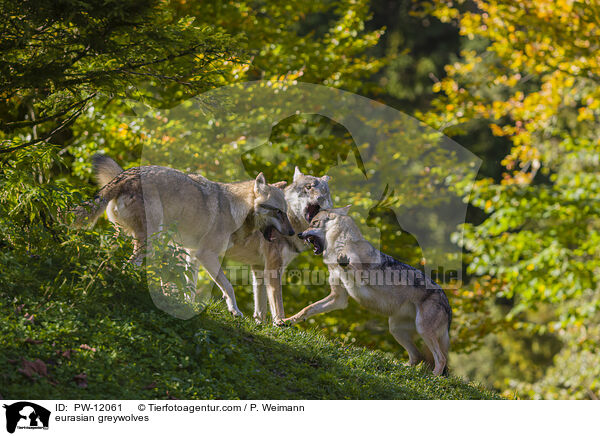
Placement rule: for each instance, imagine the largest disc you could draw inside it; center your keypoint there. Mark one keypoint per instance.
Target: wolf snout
(301, 235)
(324, 202)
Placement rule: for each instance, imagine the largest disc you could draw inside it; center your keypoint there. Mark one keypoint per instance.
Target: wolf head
(325, 228)
(307, 195)
(270, 209)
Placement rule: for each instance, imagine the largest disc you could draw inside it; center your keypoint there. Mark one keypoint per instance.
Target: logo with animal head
(26, 415)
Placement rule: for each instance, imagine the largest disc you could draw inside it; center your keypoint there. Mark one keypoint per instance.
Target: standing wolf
(305, 196)
(206, 213)
(411, 300)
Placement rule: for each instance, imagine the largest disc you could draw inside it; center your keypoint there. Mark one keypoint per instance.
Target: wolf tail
(105, 169)
(86, 214)
(109, 174)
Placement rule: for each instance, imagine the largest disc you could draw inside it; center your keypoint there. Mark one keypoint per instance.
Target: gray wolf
(412, 302)
(305, 196)
(206, 213)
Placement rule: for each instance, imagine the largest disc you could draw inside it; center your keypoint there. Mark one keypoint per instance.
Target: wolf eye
(308, 187)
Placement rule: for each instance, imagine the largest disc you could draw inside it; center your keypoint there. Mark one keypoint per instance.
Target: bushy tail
(105, 169)
(86, 214)
(106, 172)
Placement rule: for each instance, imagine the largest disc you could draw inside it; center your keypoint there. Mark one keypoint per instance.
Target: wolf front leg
(273, 285)
(273, 272)
(212, 265)
(337, 299)
(260, 295)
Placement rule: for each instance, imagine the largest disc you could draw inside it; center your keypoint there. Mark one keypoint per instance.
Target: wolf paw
(282, 323)
(289, 321)
(259, 318)
(236, 312)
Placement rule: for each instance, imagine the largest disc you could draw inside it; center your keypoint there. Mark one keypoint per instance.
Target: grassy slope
(141, 352)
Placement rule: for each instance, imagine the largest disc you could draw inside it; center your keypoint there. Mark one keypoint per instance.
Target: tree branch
(64, 124)
(7, 127)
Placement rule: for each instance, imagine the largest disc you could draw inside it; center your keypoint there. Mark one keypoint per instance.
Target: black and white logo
(26, 415)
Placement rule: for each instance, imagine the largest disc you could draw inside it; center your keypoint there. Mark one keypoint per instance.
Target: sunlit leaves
(534, 79)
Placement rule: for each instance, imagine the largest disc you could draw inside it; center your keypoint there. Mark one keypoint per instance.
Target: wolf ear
(297, 174)
(279, 185)
(341, 210)
(260, 183)
(325, 178)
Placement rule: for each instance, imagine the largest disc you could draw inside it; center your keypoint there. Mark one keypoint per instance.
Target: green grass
(139, 352)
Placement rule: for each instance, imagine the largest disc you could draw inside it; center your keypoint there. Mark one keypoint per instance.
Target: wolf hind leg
(403, 330)
(432, 324)
(142, 214)
(192, 267)
(138, 255)
(444, 339)
(428, 356)
(212, 265)
(433, 343)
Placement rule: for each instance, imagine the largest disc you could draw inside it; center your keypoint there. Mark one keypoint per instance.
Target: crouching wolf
(206, 213)
(306, 196)
(411, 300)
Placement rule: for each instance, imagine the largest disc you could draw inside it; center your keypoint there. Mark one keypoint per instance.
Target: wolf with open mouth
(270, 253)
(413, 303)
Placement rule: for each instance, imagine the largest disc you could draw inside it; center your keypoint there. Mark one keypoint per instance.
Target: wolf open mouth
(270, 232)
(310, 211)
(317, 243)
